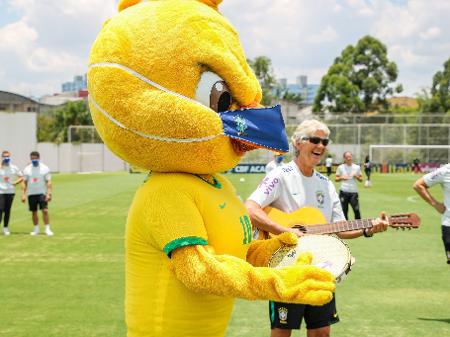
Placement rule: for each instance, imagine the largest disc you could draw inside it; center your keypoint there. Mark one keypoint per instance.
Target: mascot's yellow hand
(307, 284)
(304, 259)
(260, 251)
(287, 238)
(200, 270)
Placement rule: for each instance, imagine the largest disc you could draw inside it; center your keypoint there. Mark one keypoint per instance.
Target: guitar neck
(339, 226)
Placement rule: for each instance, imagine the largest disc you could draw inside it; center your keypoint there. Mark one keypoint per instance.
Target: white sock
(36, 228)
(47, 226)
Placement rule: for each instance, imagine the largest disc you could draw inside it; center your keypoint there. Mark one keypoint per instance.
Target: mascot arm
(260, 251)
(200, 270)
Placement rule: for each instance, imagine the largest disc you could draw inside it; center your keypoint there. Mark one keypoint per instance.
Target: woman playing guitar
(288, 188)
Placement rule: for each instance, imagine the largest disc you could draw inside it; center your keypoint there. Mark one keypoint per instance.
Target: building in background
(62, 98)
(11, 102)
(79, 83)
(293, 109)
(301, 87)
(75, 90)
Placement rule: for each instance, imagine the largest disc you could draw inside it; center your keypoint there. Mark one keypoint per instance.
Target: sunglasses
(317, 140)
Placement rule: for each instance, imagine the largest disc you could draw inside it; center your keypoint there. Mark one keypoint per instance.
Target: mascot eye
(213, 92)
(220, 99)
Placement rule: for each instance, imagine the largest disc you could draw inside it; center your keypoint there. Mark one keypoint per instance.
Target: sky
(44, 43)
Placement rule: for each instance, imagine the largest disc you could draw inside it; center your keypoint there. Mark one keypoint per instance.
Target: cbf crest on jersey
(320, 197)
(282, 314)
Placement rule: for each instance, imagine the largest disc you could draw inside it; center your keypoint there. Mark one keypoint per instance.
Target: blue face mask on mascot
(263, 127)
(6, 160)
(35, 162)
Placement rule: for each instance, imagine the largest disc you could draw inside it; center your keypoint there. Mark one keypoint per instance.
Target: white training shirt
(36, 178)
(329, 162)
(287, 189)
(441, 176)
(272, 165)
(348, 170)
(8, 174)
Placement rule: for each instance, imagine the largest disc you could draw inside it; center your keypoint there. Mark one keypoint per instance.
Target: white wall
(18, 135)
(83, 157)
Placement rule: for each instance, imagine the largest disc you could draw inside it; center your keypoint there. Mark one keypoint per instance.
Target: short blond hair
(307, 129)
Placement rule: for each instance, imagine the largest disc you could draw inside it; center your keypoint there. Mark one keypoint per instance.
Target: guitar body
(303, 216)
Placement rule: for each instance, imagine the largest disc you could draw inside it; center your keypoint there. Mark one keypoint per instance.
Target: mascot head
(160, 74)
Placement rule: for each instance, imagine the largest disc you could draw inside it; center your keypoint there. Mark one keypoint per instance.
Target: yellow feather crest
(127, 3)
(211, 3)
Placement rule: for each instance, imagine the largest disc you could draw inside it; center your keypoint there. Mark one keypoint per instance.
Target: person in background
(416, 166)
(275, 162)
(367, 171)
(442, 177)
(37, 185)
(347, 173)
(329, 164)
(10, 176)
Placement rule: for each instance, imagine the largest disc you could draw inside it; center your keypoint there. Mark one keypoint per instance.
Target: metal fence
(417, 118)
(428, 129)
(357, 138)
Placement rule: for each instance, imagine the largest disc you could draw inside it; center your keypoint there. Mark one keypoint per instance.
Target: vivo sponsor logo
(268, 184)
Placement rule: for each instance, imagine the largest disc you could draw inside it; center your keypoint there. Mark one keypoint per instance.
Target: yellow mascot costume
(188, 236)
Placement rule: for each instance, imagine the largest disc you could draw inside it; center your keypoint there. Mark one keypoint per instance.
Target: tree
(440, 92)
(424, 100)
(262, 67)
(291, 97)
(53, 127)
(360, 79)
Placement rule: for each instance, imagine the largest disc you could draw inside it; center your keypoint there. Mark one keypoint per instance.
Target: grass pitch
(72, 284)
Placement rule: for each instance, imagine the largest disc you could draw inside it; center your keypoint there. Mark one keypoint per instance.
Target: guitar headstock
(403, 221)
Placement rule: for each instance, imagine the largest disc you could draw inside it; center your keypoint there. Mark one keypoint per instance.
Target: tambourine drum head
(328, 252)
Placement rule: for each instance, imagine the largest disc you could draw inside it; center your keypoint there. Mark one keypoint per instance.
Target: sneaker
(48, 232)
(6, 231)
(35, 232)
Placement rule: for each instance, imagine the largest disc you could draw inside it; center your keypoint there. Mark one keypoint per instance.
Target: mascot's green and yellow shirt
(169, 211)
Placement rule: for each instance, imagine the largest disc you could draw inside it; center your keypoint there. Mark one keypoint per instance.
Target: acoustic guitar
(328, 252)
(311, 221)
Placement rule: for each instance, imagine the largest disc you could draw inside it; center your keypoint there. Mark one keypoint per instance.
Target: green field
(72, 284)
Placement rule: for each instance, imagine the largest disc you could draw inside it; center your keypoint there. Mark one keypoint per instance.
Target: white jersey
(353, 170)
(329, 162)
(8, 174)
(272, 165)
(287, 189)
(441, 176)
(36, 178)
